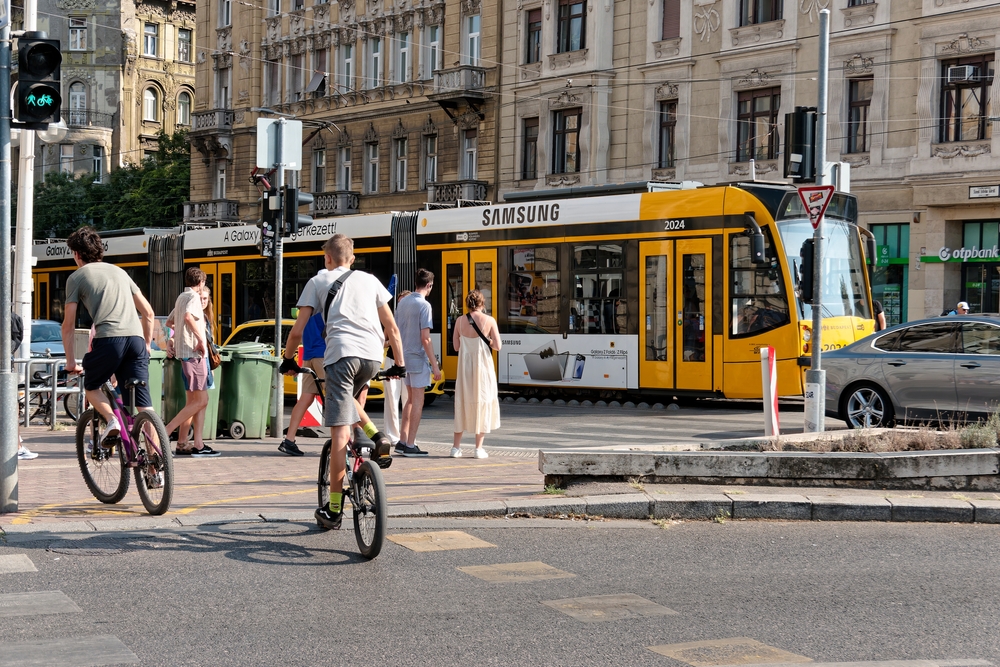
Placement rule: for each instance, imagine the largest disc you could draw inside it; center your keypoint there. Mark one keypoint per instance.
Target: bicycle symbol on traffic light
(40, 101)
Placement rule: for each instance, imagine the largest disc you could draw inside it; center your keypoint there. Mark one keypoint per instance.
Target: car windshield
(843, 269)
(259, 333)
(45, 332)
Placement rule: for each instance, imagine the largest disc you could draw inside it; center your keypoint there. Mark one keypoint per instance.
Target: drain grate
(88, 547)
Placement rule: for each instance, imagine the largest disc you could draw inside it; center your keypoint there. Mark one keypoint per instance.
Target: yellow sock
(336, 502)
(370, 429)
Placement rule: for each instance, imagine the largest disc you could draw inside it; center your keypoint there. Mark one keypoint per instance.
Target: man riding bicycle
(121, 341)
(355, 320)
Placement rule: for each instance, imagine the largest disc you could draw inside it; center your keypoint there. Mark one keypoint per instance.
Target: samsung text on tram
(519, 215)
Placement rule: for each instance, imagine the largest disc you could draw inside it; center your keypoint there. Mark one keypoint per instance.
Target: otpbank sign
(973, 254)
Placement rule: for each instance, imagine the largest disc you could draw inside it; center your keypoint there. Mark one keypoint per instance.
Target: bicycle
(105, 466)
(366, 488)
(40, 403)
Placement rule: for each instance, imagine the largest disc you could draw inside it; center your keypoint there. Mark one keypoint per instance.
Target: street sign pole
(8, 379)
(278, 399)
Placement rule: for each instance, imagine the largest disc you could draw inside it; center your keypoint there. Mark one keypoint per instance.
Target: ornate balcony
(339, 202)
(459, 86)
(452, 193)
(80, 118)
(217, 210)
(216, 120)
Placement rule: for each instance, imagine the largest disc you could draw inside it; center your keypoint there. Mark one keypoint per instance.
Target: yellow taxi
(262, 331)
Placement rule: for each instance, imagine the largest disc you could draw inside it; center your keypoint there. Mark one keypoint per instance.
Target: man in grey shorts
(354, 350)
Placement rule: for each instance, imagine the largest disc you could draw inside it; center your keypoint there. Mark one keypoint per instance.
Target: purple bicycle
(141, 445)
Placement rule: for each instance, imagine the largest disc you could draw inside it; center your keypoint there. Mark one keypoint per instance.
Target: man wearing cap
(961, 309)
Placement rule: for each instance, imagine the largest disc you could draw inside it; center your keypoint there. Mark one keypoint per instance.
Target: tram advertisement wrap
(584, 361)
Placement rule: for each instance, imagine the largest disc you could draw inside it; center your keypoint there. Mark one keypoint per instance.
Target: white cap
(963, 305)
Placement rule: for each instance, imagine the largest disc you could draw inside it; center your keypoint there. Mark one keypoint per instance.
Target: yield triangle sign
(815, 199)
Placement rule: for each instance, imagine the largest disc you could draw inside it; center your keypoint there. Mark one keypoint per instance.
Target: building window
(858, 3)
(344, 173)
(671, 19)
(753, 12)
(225, 13)
(374, 62)
(433, 51)
(566, 141)
(184, 45)
(150, 105)
(77, 33)
(470, 55)
(470, 154)
(298, 4)
(66, 159)
(295, 74)
(534, 32)
(757, 124)
(966, 99)
(371, 173)
(529, 150)
(399, 158)
(220, 183)
(572, 26)
(347, 67)
(150, 37)
(430, 159)
(273, 7)
(319, 170)
(317, 82)
(403, 61)
(272, 82)
(860, 101)
(98, 153)
(77, 104)
(224, 101)
(184, 109)
(890, 276)
(668, 127)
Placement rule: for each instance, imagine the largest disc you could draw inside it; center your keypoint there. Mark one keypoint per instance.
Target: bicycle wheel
(154, 474)
(323, 480)
(371, 512)
(104, 470)
(71, 402)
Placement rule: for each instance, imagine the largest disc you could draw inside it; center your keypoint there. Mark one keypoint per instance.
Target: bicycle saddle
(134, 382)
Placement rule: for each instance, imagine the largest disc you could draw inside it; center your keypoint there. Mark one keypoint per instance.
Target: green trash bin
(174, 397)
(156, 359)
(246, 400)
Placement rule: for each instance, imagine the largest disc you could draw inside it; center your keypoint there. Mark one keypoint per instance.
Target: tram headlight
(807, 334)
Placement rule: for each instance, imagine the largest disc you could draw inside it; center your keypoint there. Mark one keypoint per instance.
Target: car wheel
(868, 406)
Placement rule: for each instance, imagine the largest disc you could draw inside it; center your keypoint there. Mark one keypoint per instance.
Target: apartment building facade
(598, 92)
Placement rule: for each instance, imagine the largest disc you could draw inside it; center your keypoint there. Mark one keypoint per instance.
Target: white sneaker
(456, 453)
(25, 454)
(111, 430)
(481, 453)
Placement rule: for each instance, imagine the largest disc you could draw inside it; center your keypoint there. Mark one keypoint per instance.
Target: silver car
(934, 370)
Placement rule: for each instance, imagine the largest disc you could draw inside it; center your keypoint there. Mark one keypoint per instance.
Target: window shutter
(671, 19)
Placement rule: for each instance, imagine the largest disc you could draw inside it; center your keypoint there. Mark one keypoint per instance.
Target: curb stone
(987, 511)
(547, 506)
(925, 509)
(621, 506)
(787, 507)
(706, 506)
(846, 508)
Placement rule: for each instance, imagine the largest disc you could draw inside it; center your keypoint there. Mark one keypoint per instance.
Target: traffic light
(800, 145)
(293, 220)
(806, 271)
(38, 80)
(269, 218)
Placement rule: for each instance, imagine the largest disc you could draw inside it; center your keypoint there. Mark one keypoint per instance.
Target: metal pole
(816, 376)
(25, 206)
(8, 380)
(278, 399)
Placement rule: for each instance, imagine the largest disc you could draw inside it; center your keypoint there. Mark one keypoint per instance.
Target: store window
(598, 305)
(891, 272)
(860, 103)
(757, 124)
(965, 112)
(981, 279)
(533, 290)
(759, 301)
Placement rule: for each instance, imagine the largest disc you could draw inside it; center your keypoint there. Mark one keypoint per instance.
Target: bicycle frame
(125, 418)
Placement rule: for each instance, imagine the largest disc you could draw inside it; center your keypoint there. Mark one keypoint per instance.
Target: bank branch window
(981, 273)
(891, 270)
(533, 290)
(757, 294)
(598, 305)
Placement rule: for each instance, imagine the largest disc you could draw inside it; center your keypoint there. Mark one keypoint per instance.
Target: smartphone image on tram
(578, 367)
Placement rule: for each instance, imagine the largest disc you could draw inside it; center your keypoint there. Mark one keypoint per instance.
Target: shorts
(418, 373)
(127, 359)
(195, 372)
(346, 379)
(309, 385)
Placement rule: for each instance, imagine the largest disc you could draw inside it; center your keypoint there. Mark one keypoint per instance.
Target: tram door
(41, 297)
(464, 270)
(221, 279)
(675, 304)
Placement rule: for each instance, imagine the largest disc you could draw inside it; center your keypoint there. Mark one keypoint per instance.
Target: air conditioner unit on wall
(962, 74)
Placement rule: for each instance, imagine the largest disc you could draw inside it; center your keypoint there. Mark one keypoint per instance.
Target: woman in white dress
(477, 408)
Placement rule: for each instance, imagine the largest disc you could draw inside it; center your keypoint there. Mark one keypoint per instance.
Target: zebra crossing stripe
(16, 563)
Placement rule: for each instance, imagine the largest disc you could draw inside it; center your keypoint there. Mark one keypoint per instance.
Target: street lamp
(55, 133)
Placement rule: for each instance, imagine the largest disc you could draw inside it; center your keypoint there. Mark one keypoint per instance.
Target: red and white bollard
(769, 382)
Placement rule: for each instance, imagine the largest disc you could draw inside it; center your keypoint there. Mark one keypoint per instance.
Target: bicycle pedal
(384, 462)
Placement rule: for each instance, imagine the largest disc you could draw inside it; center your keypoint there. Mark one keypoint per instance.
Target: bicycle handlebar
(394, 373)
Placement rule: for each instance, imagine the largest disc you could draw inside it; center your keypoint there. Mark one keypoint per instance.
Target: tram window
(759, 301)
(599, 304)
(533, 290)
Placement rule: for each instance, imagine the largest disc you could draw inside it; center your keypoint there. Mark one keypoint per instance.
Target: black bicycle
(366, 488)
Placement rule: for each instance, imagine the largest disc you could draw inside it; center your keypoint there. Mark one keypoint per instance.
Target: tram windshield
(844, 293)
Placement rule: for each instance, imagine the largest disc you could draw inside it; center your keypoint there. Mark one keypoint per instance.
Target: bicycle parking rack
(54, 364)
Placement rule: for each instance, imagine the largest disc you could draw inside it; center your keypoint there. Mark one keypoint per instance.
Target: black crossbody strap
(332, 294)
(476, 327)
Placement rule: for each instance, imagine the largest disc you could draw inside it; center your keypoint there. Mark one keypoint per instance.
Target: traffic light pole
(8, 379)
(278, 399)
(815, 407)
(25, 204)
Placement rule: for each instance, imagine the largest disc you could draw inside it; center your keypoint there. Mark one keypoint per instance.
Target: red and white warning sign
(815, 199)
